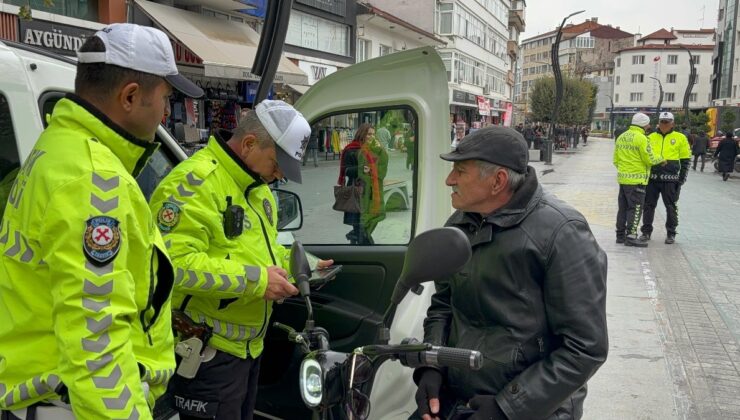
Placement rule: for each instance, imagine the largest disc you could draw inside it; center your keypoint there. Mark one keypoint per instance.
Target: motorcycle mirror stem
(300, 269)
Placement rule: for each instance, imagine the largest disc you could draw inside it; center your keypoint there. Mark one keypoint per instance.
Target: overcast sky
(633, 16)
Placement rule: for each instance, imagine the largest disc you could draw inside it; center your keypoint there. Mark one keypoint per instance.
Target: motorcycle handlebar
(438, 356)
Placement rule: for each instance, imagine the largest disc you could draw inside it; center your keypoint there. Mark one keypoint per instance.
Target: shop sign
(484, 107)
(184, 56)
(315, 71)
(62, 39)
(507, 115)
(464, 97)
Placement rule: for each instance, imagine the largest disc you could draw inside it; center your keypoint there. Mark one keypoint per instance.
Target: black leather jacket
(532, 299)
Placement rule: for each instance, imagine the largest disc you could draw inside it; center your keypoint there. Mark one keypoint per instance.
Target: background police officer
(633, 158)
(666, 180)
(85, 277)
(228, 275)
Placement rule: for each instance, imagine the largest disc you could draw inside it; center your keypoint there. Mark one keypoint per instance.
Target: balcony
(516, 17)
(512, 48)
(510, 78)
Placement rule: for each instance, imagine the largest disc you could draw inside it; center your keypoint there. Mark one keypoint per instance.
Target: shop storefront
(55, 37)
(218, 56)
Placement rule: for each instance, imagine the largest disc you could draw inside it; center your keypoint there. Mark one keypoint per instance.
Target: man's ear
(128, 95)
(247, 144)
(500, 181)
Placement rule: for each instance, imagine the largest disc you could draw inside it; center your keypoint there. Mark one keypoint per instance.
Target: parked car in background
(714, 141)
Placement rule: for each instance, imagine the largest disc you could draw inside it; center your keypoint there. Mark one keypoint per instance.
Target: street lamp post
(611, 114)
(690, 87)
(555, 59)
(660, 99)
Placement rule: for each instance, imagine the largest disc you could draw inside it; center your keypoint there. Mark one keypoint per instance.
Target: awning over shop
(299, 88)
(227, 48)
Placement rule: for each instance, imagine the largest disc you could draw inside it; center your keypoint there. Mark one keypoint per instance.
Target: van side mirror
(289, 210)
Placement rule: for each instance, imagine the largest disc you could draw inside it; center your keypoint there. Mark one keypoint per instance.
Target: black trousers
(703, 157)
(631, 199)
(669, 191)
(224, 388)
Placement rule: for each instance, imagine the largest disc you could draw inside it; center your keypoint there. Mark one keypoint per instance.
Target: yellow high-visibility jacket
(85, 281)
(674, 148)
(633, 157)
(220, 280)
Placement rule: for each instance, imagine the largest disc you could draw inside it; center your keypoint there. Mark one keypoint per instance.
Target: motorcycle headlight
(311, 382)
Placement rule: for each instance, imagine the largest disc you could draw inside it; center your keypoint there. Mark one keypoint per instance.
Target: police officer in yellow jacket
(633, 158)
(666, 181)
(85, 281)
(219, 221)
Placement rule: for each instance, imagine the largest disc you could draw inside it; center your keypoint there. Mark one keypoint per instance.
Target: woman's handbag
(347, 198)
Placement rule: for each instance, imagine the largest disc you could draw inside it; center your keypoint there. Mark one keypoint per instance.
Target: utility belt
(193, 347)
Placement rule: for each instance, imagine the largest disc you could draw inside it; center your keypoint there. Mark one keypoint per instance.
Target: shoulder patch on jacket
(168, 216)
(102, 240)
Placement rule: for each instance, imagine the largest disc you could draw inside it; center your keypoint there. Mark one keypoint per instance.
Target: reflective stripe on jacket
(223, 279)
(99, 327)
(674, 148)
(633, 157)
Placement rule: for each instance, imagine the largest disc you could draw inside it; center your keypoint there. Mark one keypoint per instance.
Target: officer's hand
(278, 286)
(427, 394)
(486, 408)
(323, 264)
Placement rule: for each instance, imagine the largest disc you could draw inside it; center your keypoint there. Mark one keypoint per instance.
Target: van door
(399, 104)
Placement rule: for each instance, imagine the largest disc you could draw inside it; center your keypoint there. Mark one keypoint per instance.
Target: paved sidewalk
(673, 311)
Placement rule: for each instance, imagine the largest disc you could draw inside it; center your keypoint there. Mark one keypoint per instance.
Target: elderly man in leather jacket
(532, 299)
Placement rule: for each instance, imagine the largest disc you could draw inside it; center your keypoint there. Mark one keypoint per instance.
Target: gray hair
(249, 123)
(515, 178)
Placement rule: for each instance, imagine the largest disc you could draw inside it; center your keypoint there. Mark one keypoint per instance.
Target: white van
(405, 92)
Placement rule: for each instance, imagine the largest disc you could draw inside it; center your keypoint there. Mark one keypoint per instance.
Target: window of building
(734, 91)
(696, 78)
(669, 96)
(583, 42)
(638, 59)
(672, 59)
(80, 9)
(619, 62)
(384, 50)
(616, 97)
(9, 158)
(692, 97)
(670, 78)
(635, 96)
(618, 79)
(638, 78)
(445, 14)
(364, 49)
(317, 33)
(398, 184)
(696, 59)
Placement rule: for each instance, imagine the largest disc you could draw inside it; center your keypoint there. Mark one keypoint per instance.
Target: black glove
(429, 383)
(486, 408)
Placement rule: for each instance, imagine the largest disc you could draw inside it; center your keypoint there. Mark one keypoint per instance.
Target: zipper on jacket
(272, 257)
(541, 342)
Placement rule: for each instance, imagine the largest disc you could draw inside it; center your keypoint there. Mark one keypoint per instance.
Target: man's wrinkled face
(470, 192)
(262, 160)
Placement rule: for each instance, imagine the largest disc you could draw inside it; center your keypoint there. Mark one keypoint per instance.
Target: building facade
(480, 54)
(586, 50)
(663, 55)
(726, 58)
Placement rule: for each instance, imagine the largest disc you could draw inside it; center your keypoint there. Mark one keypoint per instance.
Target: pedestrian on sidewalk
(584, 135)
(633, 158)
(666, 180)
(312, 149)
(699, 148)
(532, 299)
(726, 151)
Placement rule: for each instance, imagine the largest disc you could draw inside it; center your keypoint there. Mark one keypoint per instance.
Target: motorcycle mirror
(433, 254)
(300, 269)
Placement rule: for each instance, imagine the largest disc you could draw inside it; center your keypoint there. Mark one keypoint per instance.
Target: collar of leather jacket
(521, 204)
